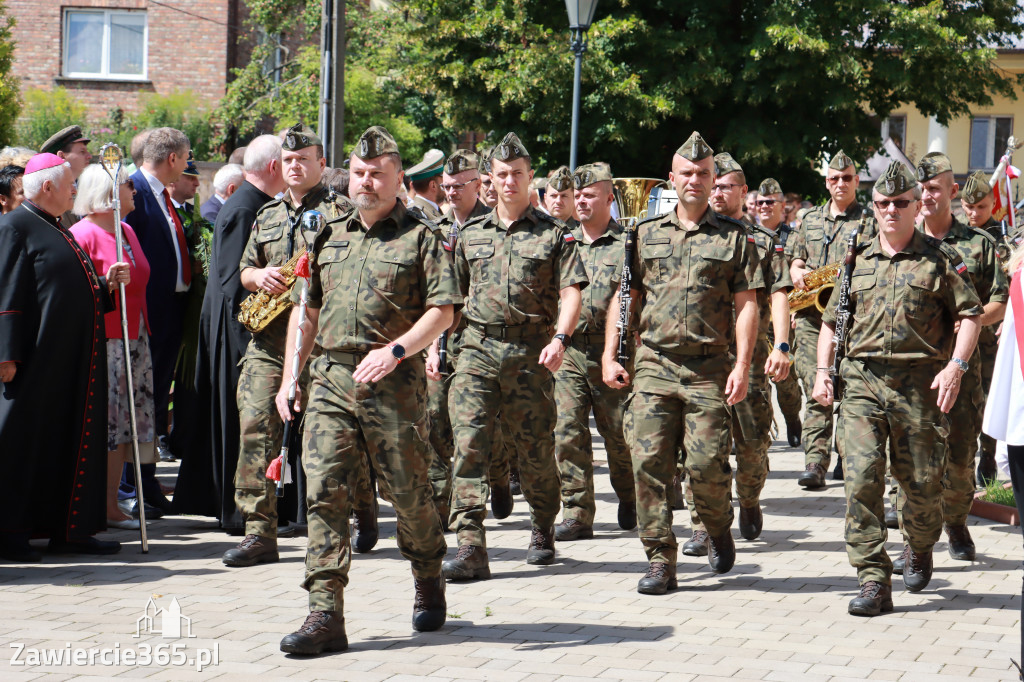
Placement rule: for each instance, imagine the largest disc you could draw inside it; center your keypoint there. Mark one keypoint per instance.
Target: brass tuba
(819, 282)
(261, 307)
(632, 195)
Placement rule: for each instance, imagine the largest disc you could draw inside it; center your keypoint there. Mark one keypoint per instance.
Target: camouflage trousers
(751, 430)
(578, 389)
(890, 405)
(964, 429)
(787, 392)
(347, 421)
(679, 404)
(502, 376)
(987, 351)
(816, 434)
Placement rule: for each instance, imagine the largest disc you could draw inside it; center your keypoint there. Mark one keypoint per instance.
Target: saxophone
(820, 281)
(261, 307)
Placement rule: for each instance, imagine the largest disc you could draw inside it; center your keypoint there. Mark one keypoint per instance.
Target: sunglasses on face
(836, 178)
(898, 203)
(767, 202)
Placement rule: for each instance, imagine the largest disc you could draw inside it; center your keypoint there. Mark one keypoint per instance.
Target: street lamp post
(581, 15)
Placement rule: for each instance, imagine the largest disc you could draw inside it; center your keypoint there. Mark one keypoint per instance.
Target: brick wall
(186, 51)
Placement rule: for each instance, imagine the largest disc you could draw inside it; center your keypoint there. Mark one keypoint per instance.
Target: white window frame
(104, 73)
(886, 128)
(992, 155)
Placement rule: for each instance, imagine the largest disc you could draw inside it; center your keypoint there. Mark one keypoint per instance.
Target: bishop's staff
(111, 157)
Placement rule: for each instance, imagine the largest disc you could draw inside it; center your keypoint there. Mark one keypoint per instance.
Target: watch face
(784, 347)
(398, 351)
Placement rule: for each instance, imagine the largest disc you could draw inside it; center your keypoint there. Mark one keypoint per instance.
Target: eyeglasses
(457, 187)
(767, 202)
(130, 184)
(833, 179)
(724, 187)
(898, 203)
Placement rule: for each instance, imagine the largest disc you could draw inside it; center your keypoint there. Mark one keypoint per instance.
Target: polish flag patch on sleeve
(446, 244)
(961, 269)
(779, 248)
(569, 239)
(750, 238)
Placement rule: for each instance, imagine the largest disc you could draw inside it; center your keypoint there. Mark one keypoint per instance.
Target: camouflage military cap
(976, 188)
(462, 160)
(299, 137)
(590, 174)
(485, 159)
(769, 186)
(510, 149)
(725, 164)
(375, 141)
(695, 148)
(539, 183)
(841, 161)
(561, 179)
(58, 141)
(932, 164)
(896, 180)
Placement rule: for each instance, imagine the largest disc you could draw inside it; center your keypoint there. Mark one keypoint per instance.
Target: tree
(10, 98)
(779, 83)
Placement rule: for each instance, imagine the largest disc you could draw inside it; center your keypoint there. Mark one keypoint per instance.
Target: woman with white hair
(95, 232)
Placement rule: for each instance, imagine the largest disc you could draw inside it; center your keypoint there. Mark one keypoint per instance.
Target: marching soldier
(977, 248)
(819, 242)
(578, 385)
(686, 380)
(901, 374)
(381, 288)
(559, 197)
(488, 192)
(521, 274)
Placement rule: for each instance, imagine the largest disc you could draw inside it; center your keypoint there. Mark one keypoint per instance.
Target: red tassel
(274, 470)
(302, 267)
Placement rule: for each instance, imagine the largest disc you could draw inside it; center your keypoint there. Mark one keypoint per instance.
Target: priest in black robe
(53, 363)
(206, 478)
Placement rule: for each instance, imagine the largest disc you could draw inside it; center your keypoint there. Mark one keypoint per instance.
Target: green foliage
(10, 97)
(46, 112)
(997, 494)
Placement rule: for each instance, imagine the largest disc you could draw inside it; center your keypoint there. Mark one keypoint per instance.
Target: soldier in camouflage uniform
(977, 248)
(692, 271)
(820, 241)
(520, 272)
(578, 385)
(275, 239)
(906, 294)
(381, 289)
(560, 197)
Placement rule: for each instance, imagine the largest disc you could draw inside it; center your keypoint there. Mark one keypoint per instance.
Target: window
(989, 135)
(105, 44)
(895, 127)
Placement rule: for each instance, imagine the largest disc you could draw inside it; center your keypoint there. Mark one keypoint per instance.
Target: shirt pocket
(395, 272)
(923, 300)
(656, 255)
(862, 293)
(531, 262)
(480, 254)
(712, 267)
(331, 262)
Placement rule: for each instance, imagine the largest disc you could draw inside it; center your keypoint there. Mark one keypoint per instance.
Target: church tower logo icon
(169, 622)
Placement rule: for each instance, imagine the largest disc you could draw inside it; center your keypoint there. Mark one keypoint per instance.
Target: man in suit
(225, 182)
(162, 237)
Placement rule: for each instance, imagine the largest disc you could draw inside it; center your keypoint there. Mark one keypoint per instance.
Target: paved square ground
(779, 615)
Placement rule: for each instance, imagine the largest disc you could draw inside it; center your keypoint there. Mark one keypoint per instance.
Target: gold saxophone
(820, 281)
(261, 307)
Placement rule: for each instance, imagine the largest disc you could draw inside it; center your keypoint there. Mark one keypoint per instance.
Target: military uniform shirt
(512, 276)
(373, 285)
(775, 271)
(602, 259)
(821, 239)
(905, 305)
(688, 277)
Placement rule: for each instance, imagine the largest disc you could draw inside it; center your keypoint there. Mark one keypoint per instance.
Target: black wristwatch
(783, 346)
(397, 350)
(565, 339)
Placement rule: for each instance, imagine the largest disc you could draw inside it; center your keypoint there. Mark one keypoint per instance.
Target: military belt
(588, 339)
(340, 357)
(500, 331)
(692, 351)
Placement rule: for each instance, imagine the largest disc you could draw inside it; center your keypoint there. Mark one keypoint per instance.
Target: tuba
(819, 283)
(261, 308)
(632, 195)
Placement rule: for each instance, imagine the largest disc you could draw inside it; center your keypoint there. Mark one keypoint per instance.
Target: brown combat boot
(874, 598)
(697, 544)
(900, 562)
(961, 545)
(322, 631)
(812, 478)
(429, 609)
(252, 550)
(659, 579)
(470, 563)
(571, 529)
(918, 571)
(542, 547)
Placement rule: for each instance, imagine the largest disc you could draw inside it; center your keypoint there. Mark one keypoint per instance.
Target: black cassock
(206, 478)
(53, 415)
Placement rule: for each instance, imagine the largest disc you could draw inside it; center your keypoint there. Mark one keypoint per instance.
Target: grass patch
(997, 494)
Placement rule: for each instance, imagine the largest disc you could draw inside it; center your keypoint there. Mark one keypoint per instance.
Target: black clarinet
(442, 341)
(844, 309)
(625, 300)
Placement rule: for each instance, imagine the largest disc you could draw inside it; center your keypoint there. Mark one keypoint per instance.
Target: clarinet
(442, 341)
(843, 309)
(624, 298)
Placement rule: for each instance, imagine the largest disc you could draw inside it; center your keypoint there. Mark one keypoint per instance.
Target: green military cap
(539, 183)
(590, 174)
(58, 141)
(375, 141)
(462, 160)
(695, 148)
(932, 164)
(510, 149)
(976, 188)
(561, 179)
(769, 186)
(725, 164)
(485, 159)
(299, 137)
(841, 161)
(431, 165)
(896, 180)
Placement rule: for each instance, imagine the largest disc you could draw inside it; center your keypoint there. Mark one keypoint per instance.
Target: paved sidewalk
(779, 615)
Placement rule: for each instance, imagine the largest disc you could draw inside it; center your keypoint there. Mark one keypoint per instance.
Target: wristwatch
(960, 364)
(565, 339)
(398, 351)
(783, 346)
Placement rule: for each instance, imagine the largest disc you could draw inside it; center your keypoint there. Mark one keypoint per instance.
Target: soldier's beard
(367, 201)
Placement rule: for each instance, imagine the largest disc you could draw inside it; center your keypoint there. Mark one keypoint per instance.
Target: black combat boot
(322, 631)
(364, 521)
(812, 478)
(721, 552)
(697, 544)
(254, 549)
(470, 563)
(627, 515)
(961, 545)
(874, 598)
(751, 522)
(659, 579)
(542, 547)
(918, 571)
(429, 609)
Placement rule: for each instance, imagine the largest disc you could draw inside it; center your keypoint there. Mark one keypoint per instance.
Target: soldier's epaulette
(772, 236)
(984, 233)
(270, 204)
(949, 252)
(417, 214)
(475, 221)
(652, 219)
(726, 219)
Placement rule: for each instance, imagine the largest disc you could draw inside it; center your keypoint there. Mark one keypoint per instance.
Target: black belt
(693, 351)
(588, 339)
(500, 331)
